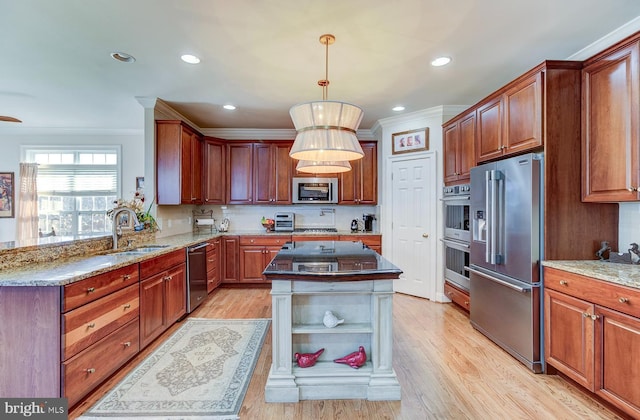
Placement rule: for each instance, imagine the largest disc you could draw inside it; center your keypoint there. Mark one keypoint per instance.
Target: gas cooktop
(315, 230)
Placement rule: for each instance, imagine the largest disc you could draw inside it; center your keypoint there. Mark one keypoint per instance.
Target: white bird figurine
(330, 320)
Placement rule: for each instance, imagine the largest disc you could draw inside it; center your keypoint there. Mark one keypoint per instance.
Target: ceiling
(265, 56)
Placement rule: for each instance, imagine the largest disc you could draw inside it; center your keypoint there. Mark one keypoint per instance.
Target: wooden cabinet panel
(214, 171)
(523, 115)
(610, 137)
(240, 173)
(569, 337)
(283, 172)
(450, 144)
(301, 238)
(153, 266)
(489, 143)
(263, 182)
(85, 291)
(278, 240)
(230, 259)
(152, 320)
(458, 296)
(459, 139)
(213, 265)
(372, 241)
(360, 185)
(175, 294)
(256, 252)
(618, 376)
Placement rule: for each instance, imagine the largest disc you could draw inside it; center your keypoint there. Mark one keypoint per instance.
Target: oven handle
(455, 244)
(501, 282)
(461, 198)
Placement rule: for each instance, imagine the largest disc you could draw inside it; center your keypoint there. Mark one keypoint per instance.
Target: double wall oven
(457, 237)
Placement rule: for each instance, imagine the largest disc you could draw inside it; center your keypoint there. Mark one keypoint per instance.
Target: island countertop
(329, 261)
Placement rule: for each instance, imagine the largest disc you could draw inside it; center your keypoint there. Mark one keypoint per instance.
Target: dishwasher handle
(501, 282)
(198, 246)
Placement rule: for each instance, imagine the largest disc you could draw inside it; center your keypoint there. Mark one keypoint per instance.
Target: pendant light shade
(316, 167)
(326, 130)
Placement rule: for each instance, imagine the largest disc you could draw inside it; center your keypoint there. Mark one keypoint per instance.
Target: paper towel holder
(203, 219)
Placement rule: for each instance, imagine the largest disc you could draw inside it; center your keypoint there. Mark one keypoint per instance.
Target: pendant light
(318, 167)
(326, 129)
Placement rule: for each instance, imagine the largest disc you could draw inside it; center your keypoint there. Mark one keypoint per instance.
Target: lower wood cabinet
(372, 241)
(230, 259)
(458, 296)
(163, 298)
(256, 252)
(592, 335)
(213, 264)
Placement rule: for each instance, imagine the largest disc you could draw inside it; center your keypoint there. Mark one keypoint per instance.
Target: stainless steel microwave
(315, 190)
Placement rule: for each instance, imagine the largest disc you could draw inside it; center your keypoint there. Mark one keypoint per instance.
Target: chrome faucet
(117, 231)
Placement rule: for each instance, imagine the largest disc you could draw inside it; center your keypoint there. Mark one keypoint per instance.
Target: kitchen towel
(204, 222)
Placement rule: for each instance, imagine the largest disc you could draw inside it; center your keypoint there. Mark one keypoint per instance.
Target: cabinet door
(252, 263)
(263, 177)
(466, 158)
(196, 169)
(450, 141)
(240, 173)
(367, 172)
(618, 377)
(152, 320)
(569, 337)
(610, 99)
(347, 186)
(175, 294)
(283, 172)
(523, 115)
(489, 143)
(214, 172)
(230, 261)
(168, 163)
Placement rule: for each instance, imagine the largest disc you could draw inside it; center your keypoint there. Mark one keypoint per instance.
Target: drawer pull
(90, 370)
(594, 317)
(623, 300)
(127, 306)
(92, 325)
(126, 277)
(91, 289)
(564, 282)
(466, 303)
(127, 344)
(586, 315)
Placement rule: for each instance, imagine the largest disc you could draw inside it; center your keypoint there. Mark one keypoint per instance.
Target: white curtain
(27, 217)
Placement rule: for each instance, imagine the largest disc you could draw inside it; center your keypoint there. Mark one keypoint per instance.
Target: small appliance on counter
(284, 222)
(368, 222)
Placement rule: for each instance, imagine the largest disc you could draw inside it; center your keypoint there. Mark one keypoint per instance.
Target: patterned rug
(201, 372)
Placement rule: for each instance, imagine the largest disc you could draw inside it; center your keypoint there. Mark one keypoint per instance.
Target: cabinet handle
(449, 294)
(126, 277)
(90, 370)
(91, 289)
(623, 300)
(594, 317)
(586, 315)
(210, 260)
(92, 325)
(127, 344)
(167, 278)
(466, 303)
(127, 306)
(564, 282)
(632, 189)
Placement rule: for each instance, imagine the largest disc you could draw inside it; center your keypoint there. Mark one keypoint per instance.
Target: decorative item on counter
(224, 226)
(147, 221)
(634, 253)
(604, 247)
(268, 224)
(203, 219)
(355, 359)
(631, 257)
(330, 320)
(305, 360)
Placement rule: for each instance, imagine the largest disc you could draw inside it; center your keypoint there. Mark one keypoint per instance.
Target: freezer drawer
(508, 313)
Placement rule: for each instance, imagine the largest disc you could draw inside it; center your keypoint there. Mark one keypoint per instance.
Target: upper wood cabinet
(489, 143)
(459, 139)
(259, 173)
(178, 163)
(610, 136)
(215, 179)
(360, 184)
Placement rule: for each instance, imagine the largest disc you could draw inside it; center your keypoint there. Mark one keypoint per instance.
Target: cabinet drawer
(86, 325)
(90, 367)
(88, 290)
(213, 243)
(302, 238)
(458, 296)
(153, 266)
(620, 298)
(368, 240)
(264, 240)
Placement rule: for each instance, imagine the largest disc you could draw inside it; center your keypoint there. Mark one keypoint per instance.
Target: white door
(414, 224)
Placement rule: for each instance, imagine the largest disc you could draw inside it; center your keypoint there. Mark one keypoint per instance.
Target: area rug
(201, 372)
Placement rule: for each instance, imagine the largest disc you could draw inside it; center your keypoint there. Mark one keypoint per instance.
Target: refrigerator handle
(501, 282)
(493, 216)
(487, 206)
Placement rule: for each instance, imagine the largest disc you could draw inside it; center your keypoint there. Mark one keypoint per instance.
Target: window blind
(77, 180)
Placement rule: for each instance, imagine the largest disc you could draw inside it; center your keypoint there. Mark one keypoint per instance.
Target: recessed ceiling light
(191, 59)
(398, 108)
(124, 57)
(441, 61)
(229, 107)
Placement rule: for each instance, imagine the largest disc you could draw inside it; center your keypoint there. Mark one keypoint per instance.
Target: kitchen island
(355, 284)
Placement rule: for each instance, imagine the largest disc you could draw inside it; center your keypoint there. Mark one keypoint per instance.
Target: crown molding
(433, 112)
(265, 134)
(608, 40)
(70, 131)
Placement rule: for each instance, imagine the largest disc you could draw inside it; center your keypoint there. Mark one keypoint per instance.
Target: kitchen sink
(141, 250)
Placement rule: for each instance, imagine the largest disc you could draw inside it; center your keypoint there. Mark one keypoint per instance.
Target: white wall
(131, 141)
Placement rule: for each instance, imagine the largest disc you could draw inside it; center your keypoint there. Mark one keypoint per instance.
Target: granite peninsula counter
(356, 284)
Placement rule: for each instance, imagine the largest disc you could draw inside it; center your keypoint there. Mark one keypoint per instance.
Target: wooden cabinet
(459, 139)
(230, 249)
(256, 252)
(213, 264)
(179, 159)
(215, 178)
(610, 136)
(372, 241)
(360, 184)
(259, 173)
(592, 333)
(489, 143)
(458, 296)
(163, 298)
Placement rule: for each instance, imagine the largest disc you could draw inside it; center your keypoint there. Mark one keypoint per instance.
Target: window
(76, 188)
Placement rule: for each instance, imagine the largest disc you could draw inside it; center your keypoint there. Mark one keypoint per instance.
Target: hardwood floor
(447, 370)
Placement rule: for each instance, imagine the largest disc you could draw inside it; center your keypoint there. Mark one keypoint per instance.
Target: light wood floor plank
(447, 370)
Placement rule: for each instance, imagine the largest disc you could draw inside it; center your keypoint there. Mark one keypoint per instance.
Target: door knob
(425, 235)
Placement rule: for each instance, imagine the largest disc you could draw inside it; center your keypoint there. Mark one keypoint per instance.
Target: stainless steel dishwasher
(196, 275)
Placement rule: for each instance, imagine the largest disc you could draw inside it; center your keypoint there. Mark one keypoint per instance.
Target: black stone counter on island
(329, 261)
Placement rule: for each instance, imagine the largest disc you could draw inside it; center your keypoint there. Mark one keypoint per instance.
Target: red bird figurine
(307, 359)
(355, 359)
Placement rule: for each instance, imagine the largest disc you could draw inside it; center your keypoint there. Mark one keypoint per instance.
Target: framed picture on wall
(7, 194)
(410, 141)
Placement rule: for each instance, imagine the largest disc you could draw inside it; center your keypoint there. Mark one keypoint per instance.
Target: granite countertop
(69, 270)
(622, 274)
(329, 261)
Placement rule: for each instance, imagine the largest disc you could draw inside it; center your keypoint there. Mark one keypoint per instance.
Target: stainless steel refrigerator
(505, 280)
